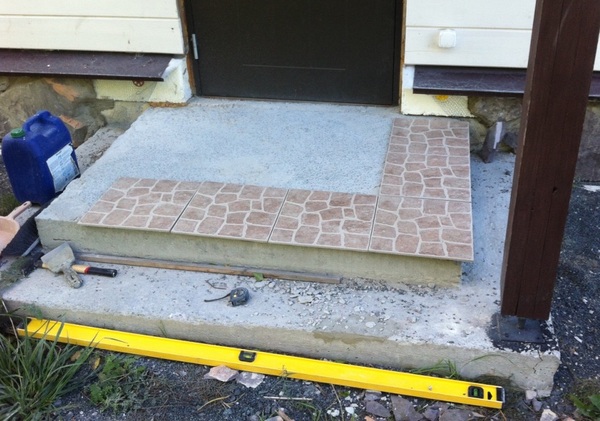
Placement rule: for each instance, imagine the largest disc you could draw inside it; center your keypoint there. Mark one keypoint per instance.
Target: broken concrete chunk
(305, 299)
(455, 415)
(530, 395)
(431, 414)
(548, 415)
(221, 373)
(377, 409)
(403, 409)
(251, 380)
(372, 395)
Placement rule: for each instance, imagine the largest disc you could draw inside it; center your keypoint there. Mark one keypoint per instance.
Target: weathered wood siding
(490, 33)
(133, 26)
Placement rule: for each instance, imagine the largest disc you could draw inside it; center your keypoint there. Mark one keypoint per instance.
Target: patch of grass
(35, 373)
(586, 398)
(444, 368)
(589, 407)
(20, 268)
(315, 412)
(163, 329)
(7, 203)
(121, 384)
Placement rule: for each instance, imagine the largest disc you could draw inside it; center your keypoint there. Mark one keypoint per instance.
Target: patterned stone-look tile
(325, 219)
(428, 158)
(141, 203)
(423, 227)
(231, 211)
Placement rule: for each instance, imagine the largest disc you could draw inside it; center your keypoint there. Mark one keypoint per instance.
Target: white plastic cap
(447, 38)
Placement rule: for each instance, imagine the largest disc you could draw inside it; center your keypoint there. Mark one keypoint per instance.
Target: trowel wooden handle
(86, 270)
(19, 210)
(92, 270)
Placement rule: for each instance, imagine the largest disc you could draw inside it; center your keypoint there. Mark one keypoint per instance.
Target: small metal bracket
(195, 46)
(516, 329)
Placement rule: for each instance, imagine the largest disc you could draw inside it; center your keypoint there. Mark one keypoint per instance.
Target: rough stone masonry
(489, 110)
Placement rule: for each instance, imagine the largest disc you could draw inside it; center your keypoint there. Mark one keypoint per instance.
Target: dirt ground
(177, 391)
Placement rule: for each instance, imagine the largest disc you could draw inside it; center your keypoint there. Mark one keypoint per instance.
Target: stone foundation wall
(489, 110)
(73, 100)
(76, 103)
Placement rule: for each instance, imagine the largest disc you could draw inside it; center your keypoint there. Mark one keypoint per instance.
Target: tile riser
(393, 269)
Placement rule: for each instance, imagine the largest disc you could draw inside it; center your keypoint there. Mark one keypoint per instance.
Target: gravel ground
(178, 391)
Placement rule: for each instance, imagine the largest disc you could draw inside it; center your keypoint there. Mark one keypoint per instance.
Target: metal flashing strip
(473, 81)
(87, 64)
(420, 386)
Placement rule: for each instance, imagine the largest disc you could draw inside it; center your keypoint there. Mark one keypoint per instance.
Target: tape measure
(237, 297)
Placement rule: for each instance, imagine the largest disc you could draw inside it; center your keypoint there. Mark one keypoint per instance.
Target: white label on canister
(62, 168)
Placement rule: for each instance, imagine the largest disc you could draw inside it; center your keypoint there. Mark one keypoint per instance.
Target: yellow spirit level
(268, 363)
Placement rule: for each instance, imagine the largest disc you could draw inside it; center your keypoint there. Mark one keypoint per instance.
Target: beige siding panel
(474, 47)
(101, 8)
(505, 14)
(92, 34)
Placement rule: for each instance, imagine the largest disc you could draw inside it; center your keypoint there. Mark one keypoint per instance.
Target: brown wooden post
(563, 48)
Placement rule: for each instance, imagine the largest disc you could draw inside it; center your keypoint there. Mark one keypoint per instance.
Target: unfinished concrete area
(399, 303)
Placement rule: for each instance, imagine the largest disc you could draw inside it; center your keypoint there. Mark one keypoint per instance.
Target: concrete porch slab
(364, 321)
(355, 321)
(424, 173)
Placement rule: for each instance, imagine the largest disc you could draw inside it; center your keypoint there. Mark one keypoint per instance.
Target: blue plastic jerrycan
(39, 158)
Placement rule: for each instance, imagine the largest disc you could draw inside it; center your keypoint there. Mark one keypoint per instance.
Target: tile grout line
(373, 223)
(200, 183)
(287, 192)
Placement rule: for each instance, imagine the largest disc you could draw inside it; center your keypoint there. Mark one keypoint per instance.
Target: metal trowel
(60, 260)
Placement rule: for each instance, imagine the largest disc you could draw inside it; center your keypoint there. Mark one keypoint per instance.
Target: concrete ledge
(402, 328)
(157, 245)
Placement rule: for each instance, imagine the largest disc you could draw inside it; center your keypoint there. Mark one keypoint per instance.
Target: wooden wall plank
(101, 8)
(474, 47)
(505, 14)
(93, 34)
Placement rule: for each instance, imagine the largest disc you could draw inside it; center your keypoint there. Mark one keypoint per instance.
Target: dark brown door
(315, 50)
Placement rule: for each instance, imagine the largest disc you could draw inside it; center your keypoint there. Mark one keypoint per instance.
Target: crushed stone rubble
(372, 308)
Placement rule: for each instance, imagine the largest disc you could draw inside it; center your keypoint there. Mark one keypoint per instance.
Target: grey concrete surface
(291, 145)
(403, 326)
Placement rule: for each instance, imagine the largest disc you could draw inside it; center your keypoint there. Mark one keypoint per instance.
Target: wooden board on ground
(209, 268)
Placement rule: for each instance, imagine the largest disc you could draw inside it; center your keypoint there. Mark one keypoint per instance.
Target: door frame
(193, 65)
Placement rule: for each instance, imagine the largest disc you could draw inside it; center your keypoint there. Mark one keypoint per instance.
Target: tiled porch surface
(423, 210)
